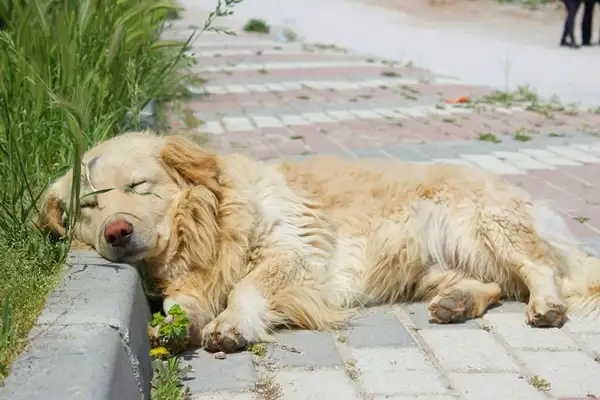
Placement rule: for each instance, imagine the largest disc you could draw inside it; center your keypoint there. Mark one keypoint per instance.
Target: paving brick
(369, 153)
(378, 326)
(492, 164)
(574, 154)
(406, 154)
(236, 124)
(569, 373)
(515, 331)
(592, 340)
(455, 350)
(419, 315)
(499, 386)
(385, 371)
(549, 157)
(316, 385)
(225, 396)
(306, 348)
(513, 307)
(412, 397)
(521, 160)
(235, 373)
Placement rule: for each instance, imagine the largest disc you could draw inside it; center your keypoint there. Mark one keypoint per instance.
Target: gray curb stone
(90, 341)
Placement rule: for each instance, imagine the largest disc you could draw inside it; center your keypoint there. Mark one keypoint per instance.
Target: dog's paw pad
(450, 306)
(546, 312)
(220, 335)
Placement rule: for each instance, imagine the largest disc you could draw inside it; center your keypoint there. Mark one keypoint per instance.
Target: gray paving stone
(316, 385)
(592, 341)
(378, 326)
(420, 317)
(406, 154)
(508, 307)
(301, 348)
(570, 374)
(407, 371)
(513, 328)
(468, 350)
(499, 386)
(369, 153)
(235, 373)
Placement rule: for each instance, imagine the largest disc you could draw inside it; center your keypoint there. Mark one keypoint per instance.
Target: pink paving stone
(449, 91)
(579, 229)
(292, 147)
(291, 74)
(445, 128)
(474, 124)
(561, 202)
(589, 174)
(272, 58)
(317, 141)
(263, 152)
(567, 182)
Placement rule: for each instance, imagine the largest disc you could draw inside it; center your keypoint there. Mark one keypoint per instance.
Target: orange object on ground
(461, 99)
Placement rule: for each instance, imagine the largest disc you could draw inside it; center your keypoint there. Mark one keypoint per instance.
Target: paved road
(287, 100)
(468, 55)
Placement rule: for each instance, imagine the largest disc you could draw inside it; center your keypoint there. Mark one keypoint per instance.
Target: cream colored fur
(246, 246)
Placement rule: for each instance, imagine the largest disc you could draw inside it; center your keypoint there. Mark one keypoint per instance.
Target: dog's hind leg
(464, 300)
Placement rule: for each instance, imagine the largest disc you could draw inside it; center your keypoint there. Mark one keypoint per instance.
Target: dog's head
(129, 187)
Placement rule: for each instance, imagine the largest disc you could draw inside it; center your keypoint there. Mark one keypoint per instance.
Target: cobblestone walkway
(270, 100)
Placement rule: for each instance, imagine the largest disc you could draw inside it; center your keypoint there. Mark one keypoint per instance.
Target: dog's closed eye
(133, 185)
(89, 204)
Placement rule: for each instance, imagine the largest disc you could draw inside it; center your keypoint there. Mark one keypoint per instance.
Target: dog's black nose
(118, 233)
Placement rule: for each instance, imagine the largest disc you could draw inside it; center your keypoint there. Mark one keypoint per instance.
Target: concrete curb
(90, 341)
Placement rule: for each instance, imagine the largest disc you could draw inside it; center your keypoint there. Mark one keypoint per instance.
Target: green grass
(257, 26)
(69, 73)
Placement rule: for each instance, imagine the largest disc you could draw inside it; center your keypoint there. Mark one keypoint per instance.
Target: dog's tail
(580, 283)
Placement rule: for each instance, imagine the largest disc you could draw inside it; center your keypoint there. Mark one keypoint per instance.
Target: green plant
(489, 137)
(70, 72)
(257, 26)
(169, 338)
(166, 380)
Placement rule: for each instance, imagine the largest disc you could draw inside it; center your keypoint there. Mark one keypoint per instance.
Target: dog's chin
(131, 253)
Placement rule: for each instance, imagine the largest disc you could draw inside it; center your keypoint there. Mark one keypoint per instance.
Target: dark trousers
(572, 7)
(587, 22)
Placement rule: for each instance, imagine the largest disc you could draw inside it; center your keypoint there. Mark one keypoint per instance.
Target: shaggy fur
(246, 246)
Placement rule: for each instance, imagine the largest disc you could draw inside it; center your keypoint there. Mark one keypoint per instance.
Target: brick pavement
(271, 100)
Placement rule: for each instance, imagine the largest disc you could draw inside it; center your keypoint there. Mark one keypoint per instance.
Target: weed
(522, 136)
(554, 134)
(581, 220)
(257, 26)
(259, 349)
(351, 370)
(539, 383)
(390, 74)
(489, 137)
(168, 338)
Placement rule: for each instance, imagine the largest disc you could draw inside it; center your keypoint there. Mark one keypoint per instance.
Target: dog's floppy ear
(197, 166)
(51, 214)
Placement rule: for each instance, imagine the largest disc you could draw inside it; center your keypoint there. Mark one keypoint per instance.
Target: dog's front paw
(546, 312)
(223, 335)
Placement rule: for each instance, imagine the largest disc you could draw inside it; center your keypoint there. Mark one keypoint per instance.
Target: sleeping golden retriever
(245, 246)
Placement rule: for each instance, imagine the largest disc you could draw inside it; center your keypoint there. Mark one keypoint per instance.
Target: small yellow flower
(159, 352)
